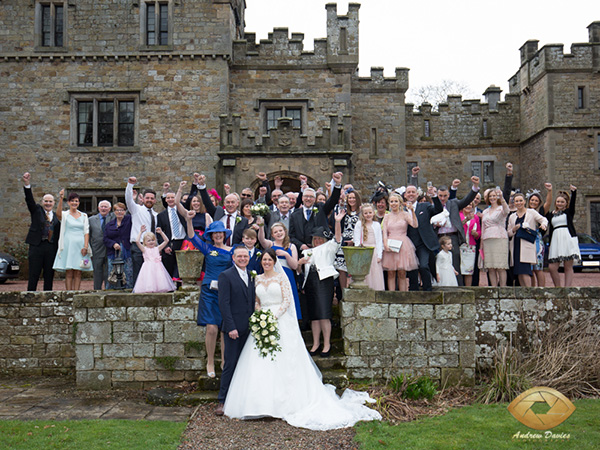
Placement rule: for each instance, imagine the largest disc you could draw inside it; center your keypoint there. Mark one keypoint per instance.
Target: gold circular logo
(560, 408)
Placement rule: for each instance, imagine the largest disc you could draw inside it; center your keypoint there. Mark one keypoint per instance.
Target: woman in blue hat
(217, 258)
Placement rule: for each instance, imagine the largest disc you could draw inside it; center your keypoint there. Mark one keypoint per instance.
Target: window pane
(476, 169)
(296, 116)
(126, 123)
(105, 123)
(46, 26)
(86, 204)
(164, 24)
(427, 130)
(272, 116)
(85, 128)
(58, 26)
(485, 128)
(488, 171)
(151, 24)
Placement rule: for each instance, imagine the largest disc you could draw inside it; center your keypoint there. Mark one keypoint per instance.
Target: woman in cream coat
(523, 254)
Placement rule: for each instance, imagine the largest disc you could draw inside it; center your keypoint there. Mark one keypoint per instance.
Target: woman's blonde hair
(365, 229)
(286, 239)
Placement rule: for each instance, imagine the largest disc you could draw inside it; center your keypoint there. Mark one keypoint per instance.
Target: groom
(236, 302)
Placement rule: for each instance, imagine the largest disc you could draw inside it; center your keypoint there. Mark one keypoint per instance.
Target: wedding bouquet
(263, 326)
(260, 209)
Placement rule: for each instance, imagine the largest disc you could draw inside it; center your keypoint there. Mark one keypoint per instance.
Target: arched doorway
(291, 182)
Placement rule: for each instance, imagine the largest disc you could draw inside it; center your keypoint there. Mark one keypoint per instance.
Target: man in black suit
(229, 215)
(42, 237)
(236, 303)
(423, 237)
(172, 224)
(310, 216)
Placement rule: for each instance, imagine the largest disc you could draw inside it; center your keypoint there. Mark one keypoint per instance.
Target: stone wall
(137, 340)
(387, 333)
(36, 333)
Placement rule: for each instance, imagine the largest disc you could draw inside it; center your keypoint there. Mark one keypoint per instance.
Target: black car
(590, 253)
(9, 267)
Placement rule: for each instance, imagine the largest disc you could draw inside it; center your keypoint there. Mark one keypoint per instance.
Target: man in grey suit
(99, 259)
(282, 214)
(455, 230)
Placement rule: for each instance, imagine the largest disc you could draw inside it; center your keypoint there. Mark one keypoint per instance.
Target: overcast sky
(472, 42)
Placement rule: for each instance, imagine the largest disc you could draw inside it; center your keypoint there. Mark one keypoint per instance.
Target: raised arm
(335, 195)
(59, 207)
(139, 236)
(471, 195)
(338, 225)
(508, 182)
(181, 208)
(208, 204)
(264, 242)
(548, 203)
(572, 201)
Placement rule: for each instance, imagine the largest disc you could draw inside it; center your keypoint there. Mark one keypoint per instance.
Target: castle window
(272, 110)
(89, 199)
(485, 131)
(156, 25)
(104, 121)
(50, 25)
(484, 170)
(426, 129)
(581, 100)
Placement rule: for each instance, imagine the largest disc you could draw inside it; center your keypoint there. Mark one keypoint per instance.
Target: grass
(482, 427)
(90, 435)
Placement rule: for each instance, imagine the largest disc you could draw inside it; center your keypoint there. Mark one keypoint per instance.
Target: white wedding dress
(290, 387)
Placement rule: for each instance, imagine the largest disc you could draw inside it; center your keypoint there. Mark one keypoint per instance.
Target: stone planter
(358, 262)
(189, 263)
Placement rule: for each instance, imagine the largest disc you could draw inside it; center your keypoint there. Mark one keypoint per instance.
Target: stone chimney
(492, 96)
(594, 32)
(528, 50)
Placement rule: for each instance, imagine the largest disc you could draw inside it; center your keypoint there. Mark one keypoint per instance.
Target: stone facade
(202, 99)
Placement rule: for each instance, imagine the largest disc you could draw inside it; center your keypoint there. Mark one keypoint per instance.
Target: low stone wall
(137, 340)
(36, 333)
(389, 333)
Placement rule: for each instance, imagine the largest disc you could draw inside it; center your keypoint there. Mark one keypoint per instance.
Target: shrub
(414, 388)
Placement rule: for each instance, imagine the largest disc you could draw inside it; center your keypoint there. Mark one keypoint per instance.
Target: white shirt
(243, 274)
(139, 215)
(231, 221)
(175, 226)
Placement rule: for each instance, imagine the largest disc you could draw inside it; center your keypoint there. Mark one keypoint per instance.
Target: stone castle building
(93, 92)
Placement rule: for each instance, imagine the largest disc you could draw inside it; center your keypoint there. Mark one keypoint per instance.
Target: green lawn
(482, 427)
(90, 435)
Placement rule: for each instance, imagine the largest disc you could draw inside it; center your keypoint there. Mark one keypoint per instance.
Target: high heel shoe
(315, 352)
(210, 373)
(326, 354)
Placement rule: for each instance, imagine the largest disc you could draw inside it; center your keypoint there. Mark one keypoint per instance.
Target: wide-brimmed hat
(216, 227)
(322, 233)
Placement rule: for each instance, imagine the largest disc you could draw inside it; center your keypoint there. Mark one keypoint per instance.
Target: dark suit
(426, 242)
(218, 212)
(169, 260)
(99, 260)
(301, 229)
(41, 251)
(236, 303)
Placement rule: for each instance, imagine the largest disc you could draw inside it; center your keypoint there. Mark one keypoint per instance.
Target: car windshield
(586, 239)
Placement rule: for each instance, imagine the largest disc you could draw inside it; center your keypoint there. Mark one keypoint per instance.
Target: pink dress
(375, 278)
(406, 258)
(153, 276)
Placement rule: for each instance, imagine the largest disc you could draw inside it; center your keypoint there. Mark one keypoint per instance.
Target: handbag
(394, 245)
(467, 259)
(85, 263)
(527, 234)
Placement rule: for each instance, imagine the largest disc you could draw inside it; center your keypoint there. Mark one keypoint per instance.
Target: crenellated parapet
(336, 138)
(338, 52)
(456, 105)
(377, 83)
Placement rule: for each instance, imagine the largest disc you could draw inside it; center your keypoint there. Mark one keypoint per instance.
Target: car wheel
(578, 269)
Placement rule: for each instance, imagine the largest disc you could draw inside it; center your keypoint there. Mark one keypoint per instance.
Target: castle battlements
(456, 105)
(378, 83)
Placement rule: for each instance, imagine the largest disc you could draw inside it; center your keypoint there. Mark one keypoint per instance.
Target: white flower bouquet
(263, 326)
(260, 209)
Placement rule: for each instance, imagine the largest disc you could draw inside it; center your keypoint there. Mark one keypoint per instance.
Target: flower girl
(153, 276)
(367, 233)
(446, 273)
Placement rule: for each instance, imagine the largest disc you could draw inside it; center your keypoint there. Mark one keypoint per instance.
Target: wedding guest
(249, 239)
(319, 275)
(42, 237)
(494, 237)
(399, 254)
(214, 196)
(143, 214)
(468, 250)
(445, 271)
(117, 242)
(201, 220)
(564, 245)
(218, 257)
(73, 244)
(534, 201)
(321, 197)
(153, 276)
(353, 202)
(523, 229)
(246, 211)
(367, 233)
(172, 224)
(98, 224)
(282, 214)
(286, 252)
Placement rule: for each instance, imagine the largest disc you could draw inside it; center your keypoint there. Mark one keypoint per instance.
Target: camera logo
(560, 408)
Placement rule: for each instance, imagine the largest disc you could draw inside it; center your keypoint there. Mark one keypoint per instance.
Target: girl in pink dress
(395, 224)
(368, 233)
(153, 276)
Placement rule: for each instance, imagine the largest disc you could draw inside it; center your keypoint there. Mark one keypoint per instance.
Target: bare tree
(438, 93)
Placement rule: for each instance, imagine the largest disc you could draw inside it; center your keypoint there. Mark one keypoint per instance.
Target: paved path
(57, 399)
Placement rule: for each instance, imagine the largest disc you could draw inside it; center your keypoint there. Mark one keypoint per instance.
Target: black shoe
(326, 354)
(315, 352)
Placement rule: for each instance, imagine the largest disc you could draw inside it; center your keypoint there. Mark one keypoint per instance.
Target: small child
(153, 276)
(249, 238)
(446, 274)
(368, 233)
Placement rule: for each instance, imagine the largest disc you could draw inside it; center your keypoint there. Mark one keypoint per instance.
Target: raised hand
(159, 230)
(182, 185)
(201, 180)
(166, 186)
(455, 183)
(509, 168)
(573, 188)
(26, 178)
(190, 215)
(227, 189)
(415, 171)
(261, 176)
(340, 215)
(61, 194)
(475, 180)
(196, 178)
(303, 179)
(262, 191)
(548, 186)
(132, 180)
(337, 177)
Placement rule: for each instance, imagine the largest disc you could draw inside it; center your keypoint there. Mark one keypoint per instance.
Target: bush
(414, 388)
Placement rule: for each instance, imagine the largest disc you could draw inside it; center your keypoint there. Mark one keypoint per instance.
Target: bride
(290, 386)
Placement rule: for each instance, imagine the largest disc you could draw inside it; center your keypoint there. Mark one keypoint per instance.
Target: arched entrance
(291, 182)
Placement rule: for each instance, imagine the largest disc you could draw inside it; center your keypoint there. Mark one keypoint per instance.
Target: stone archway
(291, 181)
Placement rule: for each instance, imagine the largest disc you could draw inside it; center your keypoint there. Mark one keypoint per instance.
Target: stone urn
(189, 263)
(358, 262)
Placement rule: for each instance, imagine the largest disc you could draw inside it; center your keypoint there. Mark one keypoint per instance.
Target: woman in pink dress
(367, 233)
(399, 252)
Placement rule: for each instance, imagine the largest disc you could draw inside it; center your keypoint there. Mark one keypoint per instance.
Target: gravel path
(205, 430)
